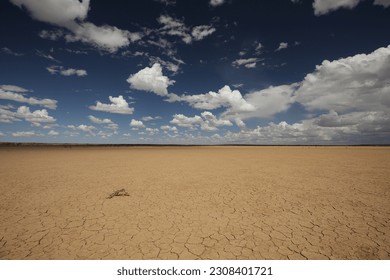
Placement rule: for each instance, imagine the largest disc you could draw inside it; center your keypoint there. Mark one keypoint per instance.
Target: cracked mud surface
(195, 203)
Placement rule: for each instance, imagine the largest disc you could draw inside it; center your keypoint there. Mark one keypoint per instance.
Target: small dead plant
(121, 192)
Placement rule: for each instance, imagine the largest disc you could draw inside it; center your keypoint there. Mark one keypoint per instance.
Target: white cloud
(225, 97)
(105, 37)
(59, 13)
(13, 88)
(151, 79)
(36, 117)
(167, 2)
(207, 121)
(247, 62)
(176, 27)
(384, 3)
(202, 31)
(70, 14)
(282, 46)
(19, 97)
(99, 121)
(359, 82)
(10, 52)
(25, 134)
(118, 106)
(150, 118)
(265, 103)
(184, 121)
(322, 7)
(169, 128)
(152, 131)
(54, 69)
(53, 133)
(215, 3)
(47, 56)
(137, 124)
(85, 128)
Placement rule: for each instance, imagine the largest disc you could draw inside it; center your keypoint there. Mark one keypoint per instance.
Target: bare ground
(195, 203)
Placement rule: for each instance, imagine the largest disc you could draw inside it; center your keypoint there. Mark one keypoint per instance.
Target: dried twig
(121, 192)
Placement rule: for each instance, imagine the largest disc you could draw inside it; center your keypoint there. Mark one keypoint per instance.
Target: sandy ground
(195, 203)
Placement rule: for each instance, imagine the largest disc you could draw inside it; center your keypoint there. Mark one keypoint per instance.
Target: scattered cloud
(150, 118)
(55, 69)
(25, 134)
(137, 124)
(207, 121)
(152, 131)
(47, 56)
(176, 27)
(322, 7)
(225, 97)
(89, 129)
(383, 3)
(282, 46)
(99, 121)
(53, 133)
(70, 14)
(246, 62)
(169, 128)
(359, 82)
(118, 106)
(202, 31)
(10, 52)
(215, 3)
(151, 79)
(167, 2)
(17, 94)
(36, 118)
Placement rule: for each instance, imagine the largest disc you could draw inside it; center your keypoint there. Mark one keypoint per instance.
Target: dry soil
(195, 203)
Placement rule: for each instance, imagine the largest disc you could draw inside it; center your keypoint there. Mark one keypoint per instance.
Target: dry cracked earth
(195, 203)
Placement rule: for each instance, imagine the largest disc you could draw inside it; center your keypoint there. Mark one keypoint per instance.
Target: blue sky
(195, 72)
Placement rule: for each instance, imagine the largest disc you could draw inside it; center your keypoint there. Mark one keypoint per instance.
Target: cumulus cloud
(151, 79)
(137, 124)
(70, 14)
(322, 7)
(54, 69)
(359, 82)
(384, 3)
(17, 94)
(282, 46)
(88, 129)
(99, 121)
(215, 3)
(169, 128)
(207, 121)
(151, 131)
(225, 97)
(118, 106)
(53, 133)
(36, 118)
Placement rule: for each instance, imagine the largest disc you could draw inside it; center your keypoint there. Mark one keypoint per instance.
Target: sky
(279, 72)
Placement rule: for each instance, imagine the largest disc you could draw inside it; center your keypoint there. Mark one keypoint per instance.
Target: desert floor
(195, 203)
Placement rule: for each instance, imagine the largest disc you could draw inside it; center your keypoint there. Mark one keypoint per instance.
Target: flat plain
(195, 203)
